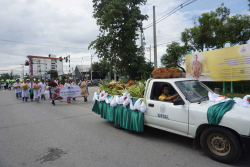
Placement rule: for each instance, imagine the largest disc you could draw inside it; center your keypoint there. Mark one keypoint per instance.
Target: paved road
(71, 135)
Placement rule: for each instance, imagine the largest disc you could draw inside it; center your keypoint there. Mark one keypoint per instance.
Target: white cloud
(70, 24)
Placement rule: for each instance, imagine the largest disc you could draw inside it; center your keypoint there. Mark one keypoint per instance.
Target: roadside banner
(68, 92)
(226, 64)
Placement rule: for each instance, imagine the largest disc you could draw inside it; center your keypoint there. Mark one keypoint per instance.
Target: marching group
(36, 90)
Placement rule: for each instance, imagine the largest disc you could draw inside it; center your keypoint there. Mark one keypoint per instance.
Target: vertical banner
(227, 64)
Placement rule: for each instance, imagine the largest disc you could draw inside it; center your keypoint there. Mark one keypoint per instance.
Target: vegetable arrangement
(136, 89)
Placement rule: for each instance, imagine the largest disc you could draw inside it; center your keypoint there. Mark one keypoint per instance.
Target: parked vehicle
(187, 116)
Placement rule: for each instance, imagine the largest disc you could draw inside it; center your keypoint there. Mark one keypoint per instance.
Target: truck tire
(115, 125)
(221, 144)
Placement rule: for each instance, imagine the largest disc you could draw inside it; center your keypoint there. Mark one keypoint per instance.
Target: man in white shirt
(56, 81)
(17, 89)
(43, 85)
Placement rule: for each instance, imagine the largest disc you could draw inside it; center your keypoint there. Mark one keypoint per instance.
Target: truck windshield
(193, 90)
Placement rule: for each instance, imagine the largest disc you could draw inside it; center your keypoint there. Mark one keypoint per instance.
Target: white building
(39, 65)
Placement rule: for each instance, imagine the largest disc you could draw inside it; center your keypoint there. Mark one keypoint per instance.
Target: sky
(68, 27)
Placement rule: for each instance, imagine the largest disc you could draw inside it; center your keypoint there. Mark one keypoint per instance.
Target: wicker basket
(175, 74)
(162, 75)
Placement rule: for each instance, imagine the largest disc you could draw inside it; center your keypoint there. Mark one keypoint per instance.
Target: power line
(40, 44)
(170, 13)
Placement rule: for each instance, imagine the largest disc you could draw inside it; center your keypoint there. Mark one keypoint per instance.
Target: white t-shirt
(42, 87)
(56, 81)
(67, 84)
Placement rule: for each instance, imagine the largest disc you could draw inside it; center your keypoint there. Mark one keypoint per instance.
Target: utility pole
(150, 52)
(91, 67)
(155, 47)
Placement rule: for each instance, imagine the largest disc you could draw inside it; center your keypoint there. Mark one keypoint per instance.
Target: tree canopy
(53, 73)
(102, 67)
(174, 56)
(120, 22)
(215, 28)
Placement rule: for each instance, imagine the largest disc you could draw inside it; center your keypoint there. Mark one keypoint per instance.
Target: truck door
(165, 114)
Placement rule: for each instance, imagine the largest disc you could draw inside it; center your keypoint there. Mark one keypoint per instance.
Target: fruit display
(25, 87)
(136, 89)
(164, 72)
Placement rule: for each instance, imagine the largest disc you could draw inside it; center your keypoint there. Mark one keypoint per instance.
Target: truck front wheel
(221, 144)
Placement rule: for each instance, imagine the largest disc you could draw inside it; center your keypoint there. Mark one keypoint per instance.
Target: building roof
(83, 68)
(41, 57)
(66, 75)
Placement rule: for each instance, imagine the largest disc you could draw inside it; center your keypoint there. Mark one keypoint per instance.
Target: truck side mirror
(178, 101)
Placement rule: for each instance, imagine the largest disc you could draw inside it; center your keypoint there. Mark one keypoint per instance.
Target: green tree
(53, 73)
(5, 76)
(215, 28)
(102, 67)
(249, 5)
(174, 56)
(120, 22)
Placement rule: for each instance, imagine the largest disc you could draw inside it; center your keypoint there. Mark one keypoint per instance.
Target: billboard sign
(227, 64)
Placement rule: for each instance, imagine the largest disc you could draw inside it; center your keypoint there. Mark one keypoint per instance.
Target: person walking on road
(85, 84)
(43, 85)
(37, 88)
(68, 84)
(52, 85)
(17, 89)
(31, 90)
(25, 91)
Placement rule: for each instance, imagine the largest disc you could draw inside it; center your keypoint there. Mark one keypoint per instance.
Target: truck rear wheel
(221, 144)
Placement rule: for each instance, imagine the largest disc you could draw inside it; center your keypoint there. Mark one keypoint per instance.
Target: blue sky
(70, 24)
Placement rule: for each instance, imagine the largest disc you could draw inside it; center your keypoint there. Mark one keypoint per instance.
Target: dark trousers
(31, 96)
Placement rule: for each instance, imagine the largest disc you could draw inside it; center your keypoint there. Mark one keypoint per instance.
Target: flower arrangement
(36, 87)
(248, 99)
(223, 96)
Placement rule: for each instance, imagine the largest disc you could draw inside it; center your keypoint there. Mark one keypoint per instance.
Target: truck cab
(186, 115)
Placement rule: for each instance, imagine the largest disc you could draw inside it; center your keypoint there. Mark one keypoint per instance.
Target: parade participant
(9, 86)
(31, 90)
(43, 85)
(37, 88)
(56, 81)
(25, 91)
(51, 85)
(17, 89)
(68, 84)
(85, 84)
(60, 85)
(73, 84)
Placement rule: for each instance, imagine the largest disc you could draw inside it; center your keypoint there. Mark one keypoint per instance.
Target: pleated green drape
(123, 116)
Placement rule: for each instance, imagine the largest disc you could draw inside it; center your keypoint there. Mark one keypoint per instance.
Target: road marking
(81, 108)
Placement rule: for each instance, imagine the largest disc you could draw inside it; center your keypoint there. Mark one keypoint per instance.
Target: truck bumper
(246, 143)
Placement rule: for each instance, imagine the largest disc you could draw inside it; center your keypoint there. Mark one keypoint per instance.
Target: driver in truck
(165, 96)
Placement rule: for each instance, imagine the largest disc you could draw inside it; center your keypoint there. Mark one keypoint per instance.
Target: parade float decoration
(164, 72)
(245, 102)
(122, 104)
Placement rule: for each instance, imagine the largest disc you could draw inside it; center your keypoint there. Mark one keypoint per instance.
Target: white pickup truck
(187, 116)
